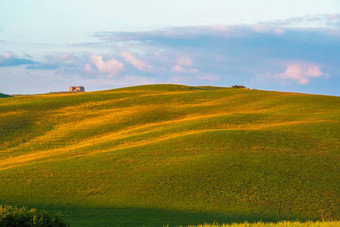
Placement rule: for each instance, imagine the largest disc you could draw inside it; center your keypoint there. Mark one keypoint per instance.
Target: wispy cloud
(316, 21)
(185, 61)
(184, 64)
(139, 64)
(277, 27)
(65, 63)
(187, 33)
(85, 64)
(10, 59)
(178, 69)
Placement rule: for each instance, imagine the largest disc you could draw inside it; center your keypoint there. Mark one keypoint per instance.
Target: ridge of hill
(4, 95)
(172, 154)
(167, 87)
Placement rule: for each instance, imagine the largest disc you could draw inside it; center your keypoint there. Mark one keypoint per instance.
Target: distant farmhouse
(76, 89)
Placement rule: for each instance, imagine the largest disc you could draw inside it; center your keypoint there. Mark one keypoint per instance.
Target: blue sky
(102, 44)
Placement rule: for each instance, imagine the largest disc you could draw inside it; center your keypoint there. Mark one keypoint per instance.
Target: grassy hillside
(4, 95)
(279, 224)
(172, 154)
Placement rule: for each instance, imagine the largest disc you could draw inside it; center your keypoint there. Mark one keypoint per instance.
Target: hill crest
(4, 95)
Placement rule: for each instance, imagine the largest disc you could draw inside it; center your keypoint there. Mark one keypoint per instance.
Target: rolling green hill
(4, 95)
(172, 154)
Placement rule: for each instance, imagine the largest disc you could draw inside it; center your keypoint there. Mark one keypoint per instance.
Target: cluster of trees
(24, 217)
(238, 86)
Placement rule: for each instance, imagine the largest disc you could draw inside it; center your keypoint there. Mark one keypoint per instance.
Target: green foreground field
(4, 95)
(279, 224)
(172, 155)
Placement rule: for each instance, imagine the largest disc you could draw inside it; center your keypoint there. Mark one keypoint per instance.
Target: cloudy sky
(284, 45)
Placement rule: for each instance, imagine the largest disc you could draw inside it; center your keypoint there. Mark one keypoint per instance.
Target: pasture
(172, 155)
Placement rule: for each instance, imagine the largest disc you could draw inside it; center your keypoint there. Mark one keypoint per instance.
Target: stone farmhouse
(76, 89)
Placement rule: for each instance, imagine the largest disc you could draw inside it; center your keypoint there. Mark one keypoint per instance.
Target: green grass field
(172, 155)
(4, 95)
(279, 224)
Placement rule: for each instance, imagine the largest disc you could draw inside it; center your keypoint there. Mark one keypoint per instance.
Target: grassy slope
(279, 224)
(171, 154)
(4, 95)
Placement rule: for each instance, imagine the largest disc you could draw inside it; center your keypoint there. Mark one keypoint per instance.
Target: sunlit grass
(226, 154)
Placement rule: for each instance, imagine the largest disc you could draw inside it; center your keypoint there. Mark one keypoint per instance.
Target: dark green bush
(24, 217)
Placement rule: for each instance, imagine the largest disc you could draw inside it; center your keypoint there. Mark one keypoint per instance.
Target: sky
(282, 45)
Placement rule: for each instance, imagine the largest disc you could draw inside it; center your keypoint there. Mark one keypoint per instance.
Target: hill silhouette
(4, 95)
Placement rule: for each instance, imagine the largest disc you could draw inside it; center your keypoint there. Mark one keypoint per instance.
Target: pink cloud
(300, 72)
(267, 28)
(178, 69)
(139, 64)
(314, 71)
(279, 31)
(184, 64)
(6, 55)
(65, 57)
(111, 67)
(185, 61)
(221, 28)
(334, 16)
(88, 68)
(261, 28)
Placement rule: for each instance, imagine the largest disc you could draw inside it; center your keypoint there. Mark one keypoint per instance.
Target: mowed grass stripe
(126, 136)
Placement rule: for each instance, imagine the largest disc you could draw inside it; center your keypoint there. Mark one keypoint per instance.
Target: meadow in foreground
(171, 154)
(279, 224)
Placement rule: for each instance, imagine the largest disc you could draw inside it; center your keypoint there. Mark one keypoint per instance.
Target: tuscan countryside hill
(4, 95)
(171, 154)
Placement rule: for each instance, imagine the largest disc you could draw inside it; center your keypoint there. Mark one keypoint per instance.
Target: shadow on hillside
(94, 216)
(4, 96)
